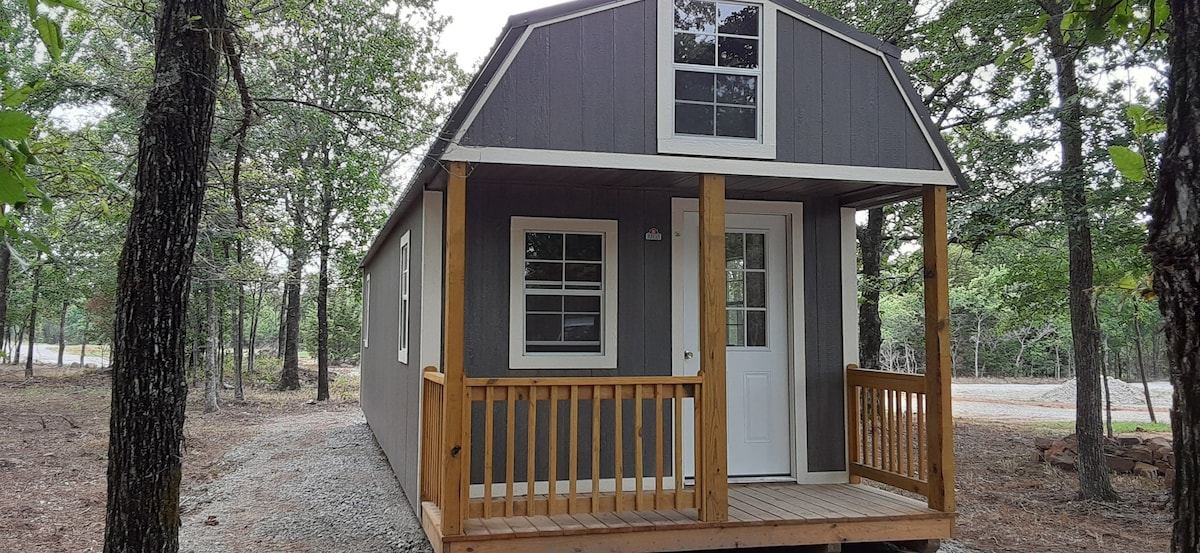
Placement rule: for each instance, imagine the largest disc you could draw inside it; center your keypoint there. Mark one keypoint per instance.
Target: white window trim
(517, 358)
(404, 305)
(366, 310)
(668, 141)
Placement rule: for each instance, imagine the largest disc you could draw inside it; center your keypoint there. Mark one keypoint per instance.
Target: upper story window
(405, 307)
(715, 78)
(717, 68)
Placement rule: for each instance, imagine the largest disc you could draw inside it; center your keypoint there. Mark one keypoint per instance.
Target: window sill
(565, 362)
(716, 147)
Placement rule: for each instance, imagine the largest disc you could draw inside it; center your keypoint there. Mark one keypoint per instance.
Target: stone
(1143, 469)
(1064, 460)
(1043, 443)
(1128, 439)
(1141, 454)
(1158, 442)
(1118, 464)
(1170, 478)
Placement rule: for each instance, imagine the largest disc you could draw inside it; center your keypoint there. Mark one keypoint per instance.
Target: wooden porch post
(714, 507)
(454, 491)
(937, 351)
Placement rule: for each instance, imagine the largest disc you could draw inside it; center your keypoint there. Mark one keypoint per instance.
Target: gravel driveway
(314, 482)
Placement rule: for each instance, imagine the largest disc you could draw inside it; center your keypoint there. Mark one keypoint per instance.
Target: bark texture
(870, 326)
(323, 299)
(211, 359)
(289, 379)
(149, 391)
(5, 263)
(1094, 482)
(33, 305)
(1175, 254)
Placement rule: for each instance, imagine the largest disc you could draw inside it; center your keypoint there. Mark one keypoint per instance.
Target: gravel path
(314, 482)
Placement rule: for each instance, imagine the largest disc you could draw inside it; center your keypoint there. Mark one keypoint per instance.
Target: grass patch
(1119, 427)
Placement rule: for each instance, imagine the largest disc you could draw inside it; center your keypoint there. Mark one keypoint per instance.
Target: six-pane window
(717, 68)
(746, 289)
(564, 292)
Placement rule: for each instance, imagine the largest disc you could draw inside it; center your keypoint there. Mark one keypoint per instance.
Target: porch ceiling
(849, 193)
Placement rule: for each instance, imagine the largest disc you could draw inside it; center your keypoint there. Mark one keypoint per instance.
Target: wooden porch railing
(432, 433)
(653, 482)
(888, 434)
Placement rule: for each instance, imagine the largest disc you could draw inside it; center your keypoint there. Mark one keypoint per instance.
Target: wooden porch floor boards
(759, 515)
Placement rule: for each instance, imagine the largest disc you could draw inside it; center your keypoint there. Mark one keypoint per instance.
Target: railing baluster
(552, 462)
(573, 463)
(595, 449)
(510, 452)
(618, 451)
(530, 452)
(639, 473)
(677, 441)
(658, 447)
(489, 451)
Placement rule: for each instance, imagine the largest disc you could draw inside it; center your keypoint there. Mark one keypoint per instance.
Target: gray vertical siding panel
(644, 305)
(920, 155)
(565, 84)
(785, 97)
(390, 389)
(650, 70)
(598, 93)
(809, 106)
(864, 107)
(632, 85)
(835, 96)
(531, 71)
(893, 112)
(825, 393)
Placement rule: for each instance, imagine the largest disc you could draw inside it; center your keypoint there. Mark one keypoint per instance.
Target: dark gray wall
(837, 104)
(643, 272)
(643, 305)
(589, 84)
(584, 84)
(826, 392)
(390, 393)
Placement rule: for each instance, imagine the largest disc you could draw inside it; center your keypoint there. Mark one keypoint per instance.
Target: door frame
(793, 211)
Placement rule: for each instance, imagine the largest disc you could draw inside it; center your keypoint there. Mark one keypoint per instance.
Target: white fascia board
(683, 164)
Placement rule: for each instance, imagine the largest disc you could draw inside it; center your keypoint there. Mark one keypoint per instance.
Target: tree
(149, 392)
(1094, 482)
(1174, 247)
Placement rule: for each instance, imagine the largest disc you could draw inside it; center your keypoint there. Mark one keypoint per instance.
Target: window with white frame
(715, 97)
(563, 311)
(405, 304)
(366, 310)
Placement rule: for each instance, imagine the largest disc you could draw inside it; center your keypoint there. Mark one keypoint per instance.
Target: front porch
(759, 515)
(590, 463)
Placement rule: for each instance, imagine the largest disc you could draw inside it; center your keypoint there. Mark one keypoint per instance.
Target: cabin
(616, 308)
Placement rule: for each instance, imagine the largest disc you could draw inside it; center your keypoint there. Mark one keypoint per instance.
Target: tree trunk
(253, 341)
(1094, 481)
(1175, 257)
(211, 358)
(83, 346)
(33, 305)
(289, 379)
(238, 327)
(149, 390)
(323, 300)
(62, 336)
(220, 344)
(5, 263)
(283, 317)
(20, 341)
(1137, 343)
(870, 326)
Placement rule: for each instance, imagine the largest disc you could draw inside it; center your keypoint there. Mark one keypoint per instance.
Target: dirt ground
(54, 429)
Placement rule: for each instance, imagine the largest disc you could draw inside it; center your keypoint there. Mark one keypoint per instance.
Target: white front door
(757, 338)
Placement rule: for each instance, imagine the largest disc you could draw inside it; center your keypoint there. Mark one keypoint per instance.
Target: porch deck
(760, 515)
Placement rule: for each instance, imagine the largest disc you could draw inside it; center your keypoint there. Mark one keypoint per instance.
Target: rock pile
(1122, 393)
(1127, 453)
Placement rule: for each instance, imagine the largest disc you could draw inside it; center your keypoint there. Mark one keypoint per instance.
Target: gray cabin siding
(583, 84)
(589, 84)
(390, 391)
(644, 309)
(824, 374)
(838, 104)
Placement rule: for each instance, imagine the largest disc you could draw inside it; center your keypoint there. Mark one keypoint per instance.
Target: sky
(477, 23)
